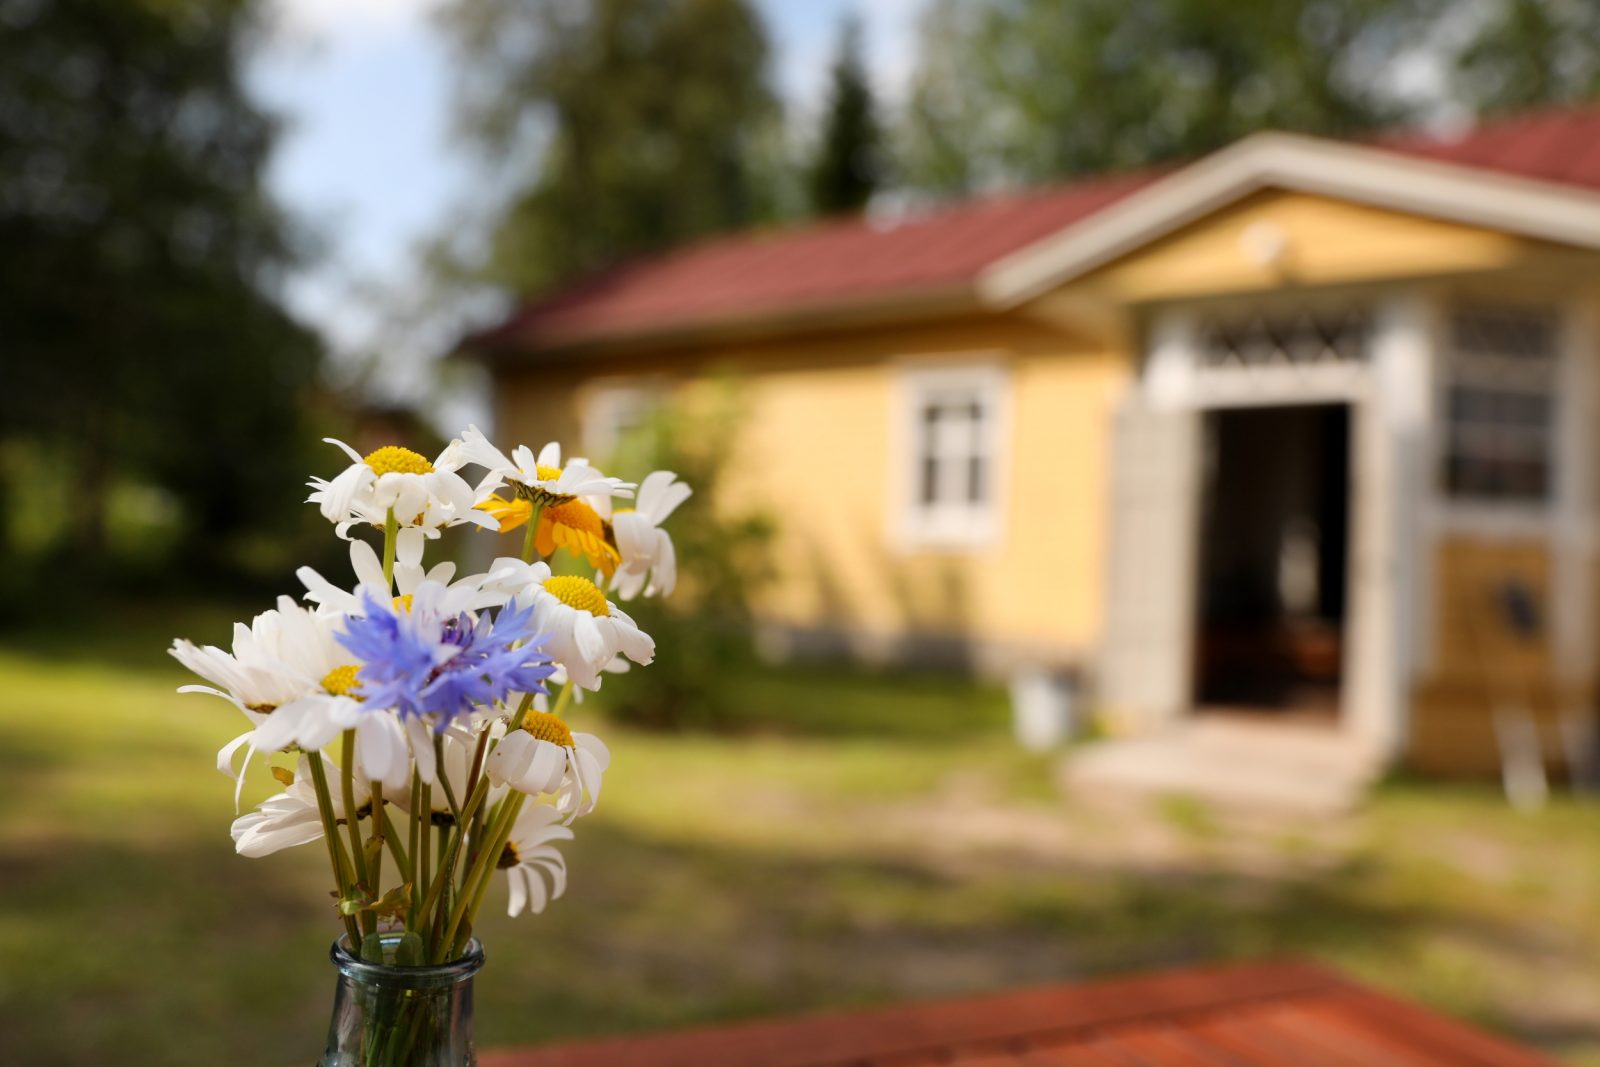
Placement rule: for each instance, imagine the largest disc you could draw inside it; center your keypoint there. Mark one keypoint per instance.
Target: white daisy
(584, 631)
(545, 756)
(541, 478)
(459, 747)
(643, 545)
(424, 495)
(291, 818)
(386, 745)
(529, 858)
(282, 657)
(464, 595)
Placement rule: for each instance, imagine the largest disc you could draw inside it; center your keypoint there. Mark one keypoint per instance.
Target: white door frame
(1390, 411)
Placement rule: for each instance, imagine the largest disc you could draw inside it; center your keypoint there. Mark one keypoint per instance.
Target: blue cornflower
(420, 662)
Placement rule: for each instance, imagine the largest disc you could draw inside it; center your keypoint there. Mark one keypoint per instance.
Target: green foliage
(1010, 91)
(703, 630)
(1027, 90)
(849, 164)
(647, 120)
(147, 363)
(1529, 53)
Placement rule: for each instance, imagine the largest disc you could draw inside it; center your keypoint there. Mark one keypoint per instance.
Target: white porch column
(1572, 607)
(1149, 591)
(1391, 490)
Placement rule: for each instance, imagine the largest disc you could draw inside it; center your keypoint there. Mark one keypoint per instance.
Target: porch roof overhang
(1376, 177)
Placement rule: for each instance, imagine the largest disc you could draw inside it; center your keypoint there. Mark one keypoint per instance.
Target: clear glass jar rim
(460, 969)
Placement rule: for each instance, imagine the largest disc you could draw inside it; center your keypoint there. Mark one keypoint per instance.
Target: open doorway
(1274, 533)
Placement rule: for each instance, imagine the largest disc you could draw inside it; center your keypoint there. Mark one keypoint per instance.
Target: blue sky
(367, 158)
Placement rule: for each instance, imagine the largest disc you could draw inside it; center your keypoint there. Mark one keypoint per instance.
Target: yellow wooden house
(1303, 427)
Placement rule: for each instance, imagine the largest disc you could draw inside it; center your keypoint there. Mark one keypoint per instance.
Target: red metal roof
(1561, 146)
(819, 265)
(1258, 1015)
(834, 264)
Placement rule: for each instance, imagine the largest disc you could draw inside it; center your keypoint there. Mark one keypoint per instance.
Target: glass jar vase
(386, 1015)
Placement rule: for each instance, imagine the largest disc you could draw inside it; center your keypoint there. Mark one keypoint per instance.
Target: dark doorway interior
(1273, 551)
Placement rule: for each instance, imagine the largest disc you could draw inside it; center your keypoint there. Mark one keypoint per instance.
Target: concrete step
(1254, 767)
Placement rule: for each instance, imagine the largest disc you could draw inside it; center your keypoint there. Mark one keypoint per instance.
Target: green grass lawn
(892, 845)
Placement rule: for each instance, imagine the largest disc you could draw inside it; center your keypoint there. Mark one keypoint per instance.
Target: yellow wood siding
(819, 451)
(816, 453)
(1325, 243)
(1480, 664)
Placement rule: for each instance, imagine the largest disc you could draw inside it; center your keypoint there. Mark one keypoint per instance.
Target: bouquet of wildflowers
(421, 717)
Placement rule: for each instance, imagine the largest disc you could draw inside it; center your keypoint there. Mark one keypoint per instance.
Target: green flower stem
(444, 778)
(477, 760)
(402, 858)
(348, 794)
(423, 818)
(375, 858)
(436, 924)
(527, 538)
(391, 531)
(448, 853)
(475, 886)
(497, 848)
(482, 868)
(412, 833)
(330, 834)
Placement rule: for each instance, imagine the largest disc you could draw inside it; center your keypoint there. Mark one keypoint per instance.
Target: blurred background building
(1301, 427)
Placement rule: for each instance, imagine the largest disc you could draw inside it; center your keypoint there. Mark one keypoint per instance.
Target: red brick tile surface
(1259, 1015)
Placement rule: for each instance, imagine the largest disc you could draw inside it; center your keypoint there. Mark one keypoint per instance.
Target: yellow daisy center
(578, 593)
(392, 459)
(508, 857)
(341, 680)
(402, 602)
(546, 474)
(548, 727)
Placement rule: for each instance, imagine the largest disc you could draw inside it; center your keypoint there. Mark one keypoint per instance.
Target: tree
(623, 126)
(1026, 90)
(139, 335)
(849, 163)
(1529, 53)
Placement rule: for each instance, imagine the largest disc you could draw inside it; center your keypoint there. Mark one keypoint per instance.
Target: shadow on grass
(660, 935)
(187, 955)
(130, 636)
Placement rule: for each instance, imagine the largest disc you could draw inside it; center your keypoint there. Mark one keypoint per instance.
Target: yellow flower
(578, 528)
(511, 513)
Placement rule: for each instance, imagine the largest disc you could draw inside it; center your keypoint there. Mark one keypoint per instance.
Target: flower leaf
(394, 904)
(408, 950)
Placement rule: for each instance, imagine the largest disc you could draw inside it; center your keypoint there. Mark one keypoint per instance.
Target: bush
(704, 628)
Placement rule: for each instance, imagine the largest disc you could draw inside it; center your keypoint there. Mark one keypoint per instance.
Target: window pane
(977, 474)
(1500, 406)
(929, 492)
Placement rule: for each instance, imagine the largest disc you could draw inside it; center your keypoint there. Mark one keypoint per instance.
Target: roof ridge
(791, 272)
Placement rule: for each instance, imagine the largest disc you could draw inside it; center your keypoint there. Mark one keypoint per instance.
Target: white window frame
(951, 524)
(1510, 516)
